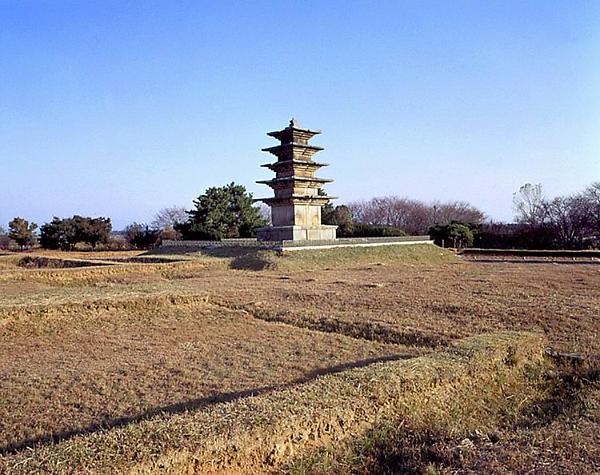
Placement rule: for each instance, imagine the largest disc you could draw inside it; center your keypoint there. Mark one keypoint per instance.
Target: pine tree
(223, 212)
(22, 232)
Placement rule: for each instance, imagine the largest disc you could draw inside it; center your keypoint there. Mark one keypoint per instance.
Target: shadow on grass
(253, 260)
(191, 405)
(372, 331)
(241, 258)
(41, 262)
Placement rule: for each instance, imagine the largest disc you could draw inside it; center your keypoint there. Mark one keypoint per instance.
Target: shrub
(141, 236)
(367, 230)
(455, 234)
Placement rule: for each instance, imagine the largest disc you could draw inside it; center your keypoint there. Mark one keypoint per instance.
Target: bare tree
(413, 216)
(460, 211)
(4, 239)
(265, 212)
(530, 205)
(410, 215)
(568, 218)
(170, 217)
(592, 201)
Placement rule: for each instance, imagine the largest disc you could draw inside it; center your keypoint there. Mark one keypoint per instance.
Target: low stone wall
(223, 243)
(299, 245)
(354, 242)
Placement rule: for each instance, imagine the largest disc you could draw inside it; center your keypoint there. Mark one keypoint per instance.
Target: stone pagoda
(296, 206)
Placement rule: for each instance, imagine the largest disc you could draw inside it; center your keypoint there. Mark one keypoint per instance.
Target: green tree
(93, 231)
(461, 235)
(455, 234)
(327, 210)
(22, 232)
(342, 217)
(56, 234)
(67, 232)
(223, 212)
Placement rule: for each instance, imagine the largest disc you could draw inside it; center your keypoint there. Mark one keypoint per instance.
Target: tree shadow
(240, 257)
(191, 405)
(255, 260)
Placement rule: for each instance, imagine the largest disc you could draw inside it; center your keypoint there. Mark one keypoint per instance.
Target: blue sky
(119, 108)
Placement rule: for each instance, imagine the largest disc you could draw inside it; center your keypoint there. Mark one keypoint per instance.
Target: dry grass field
(121, 362)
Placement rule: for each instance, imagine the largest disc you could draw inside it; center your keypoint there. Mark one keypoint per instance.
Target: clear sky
(119, 108)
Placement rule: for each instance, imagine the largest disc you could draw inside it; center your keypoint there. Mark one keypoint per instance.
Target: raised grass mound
(464, 386)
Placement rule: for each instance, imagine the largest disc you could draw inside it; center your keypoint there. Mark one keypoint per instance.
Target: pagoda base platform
(297, 233)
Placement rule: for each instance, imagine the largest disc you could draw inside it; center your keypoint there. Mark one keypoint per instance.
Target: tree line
(568, 222)
(451, 224)
(413, 216)
(219, 213)
(562, 222)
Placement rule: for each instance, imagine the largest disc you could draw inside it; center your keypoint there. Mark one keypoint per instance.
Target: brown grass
(103, 273)
(456, 388)
(104, 365)
(116, 345)
(552, 428)
(431, 303)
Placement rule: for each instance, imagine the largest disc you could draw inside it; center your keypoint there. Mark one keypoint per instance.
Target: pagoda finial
(294, 122)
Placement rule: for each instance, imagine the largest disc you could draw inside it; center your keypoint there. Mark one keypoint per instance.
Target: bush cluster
(66, 233)
(454, 234)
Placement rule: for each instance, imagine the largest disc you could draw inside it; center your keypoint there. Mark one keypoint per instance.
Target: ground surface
(102, 346)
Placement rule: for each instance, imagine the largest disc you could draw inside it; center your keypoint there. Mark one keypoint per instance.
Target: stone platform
(289, 245)
(296, 233)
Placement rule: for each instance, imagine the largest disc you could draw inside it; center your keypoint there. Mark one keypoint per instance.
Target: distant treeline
(565, 222)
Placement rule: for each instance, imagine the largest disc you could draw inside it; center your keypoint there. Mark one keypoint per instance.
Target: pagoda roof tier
(288, 132)
(285, 146)
(283, 163)
(287, 179)
(298, 199)
(293, 131)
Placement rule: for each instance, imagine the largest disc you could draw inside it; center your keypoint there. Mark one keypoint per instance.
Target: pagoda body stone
(296, 206)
